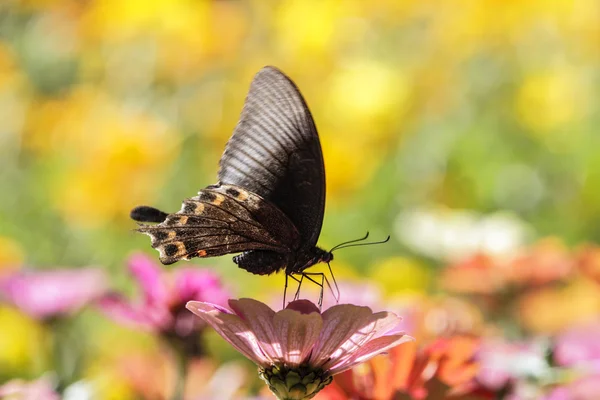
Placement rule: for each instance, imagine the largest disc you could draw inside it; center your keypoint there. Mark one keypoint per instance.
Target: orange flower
(478, 274)
(545, 262)
(443, 370)
(588, 261)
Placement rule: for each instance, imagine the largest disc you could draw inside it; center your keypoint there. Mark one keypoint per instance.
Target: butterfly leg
(337, 289)
(320, 284)
(286, 285)
(297, 295)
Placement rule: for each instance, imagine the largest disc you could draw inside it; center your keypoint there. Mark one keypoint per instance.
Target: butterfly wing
(275, 152)
(222, 219)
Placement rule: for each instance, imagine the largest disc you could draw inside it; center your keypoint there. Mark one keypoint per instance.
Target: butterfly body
(270, 199)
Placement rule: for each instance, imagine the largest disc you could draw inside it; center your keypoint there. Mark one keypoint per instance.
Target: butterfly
(269, 201)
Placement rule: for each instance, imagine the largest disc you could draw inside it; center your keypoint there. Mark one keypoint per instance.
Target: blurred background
(468, 133)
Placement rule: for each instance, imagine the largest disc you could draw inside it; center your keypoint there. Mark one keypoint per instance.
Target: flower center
(299, 383)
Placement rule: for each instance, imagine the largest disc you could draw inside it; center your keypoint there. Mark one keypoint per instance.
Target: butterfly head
(323, 256)
(313, 256)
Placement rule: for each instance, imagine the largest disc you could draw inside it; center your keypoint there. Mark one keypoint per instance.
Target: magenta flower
(579, 347)
(299, 349)
(52, 293)
(162, 307)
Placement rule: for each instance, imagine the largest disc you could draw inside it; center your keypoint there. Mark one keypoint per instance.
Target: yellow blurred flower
(20, 341)
(401, 275)
(113, 155)
(549, 310)
(117, 20)
(357, 116)
(551, 99)
(11, 255)
(366, 97)
(109, 384)
(189, 36)
(312, 28)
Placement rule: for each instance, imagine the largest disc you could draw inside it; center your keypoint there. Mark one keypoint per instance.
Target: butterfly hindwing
(219, 221)
(275, 152)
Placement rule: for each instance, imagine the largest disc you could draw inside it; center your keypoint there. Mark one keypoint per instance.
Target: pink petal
(298, 334)
(120, 310)
(44, 294)
(200, 285)
(148, 274)
(259, 317)
(385, 322)
(340, 323)
(40, 389)
(378, 325)
(370, 350)
(232, 328)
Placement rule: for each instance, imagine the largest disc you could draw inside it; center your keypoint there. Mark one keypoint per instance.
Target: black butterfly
(270, 198)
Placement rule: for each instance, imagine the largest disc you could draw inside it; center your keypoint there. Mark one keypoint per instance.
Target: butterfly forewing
(275, 152)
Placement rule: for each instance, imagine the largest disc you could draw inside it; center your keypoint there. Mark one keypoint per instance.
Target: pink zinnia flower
(582, 389)
(505, 363)
(579, 347)
(40, 389)
(299, 349)
(162, 307)
(52, 293)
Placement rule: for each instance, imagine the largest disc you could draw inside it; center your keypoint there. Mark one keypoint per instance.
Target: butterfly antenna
(354, 244)
(337, 289)
(339, 246)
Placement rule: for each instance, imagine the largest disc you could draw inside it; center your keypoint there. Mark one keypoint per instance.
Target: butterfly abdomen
(261, 262)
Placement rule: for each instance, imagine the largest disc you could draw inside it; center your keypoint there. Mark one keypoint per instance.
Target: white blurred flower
(451, 235)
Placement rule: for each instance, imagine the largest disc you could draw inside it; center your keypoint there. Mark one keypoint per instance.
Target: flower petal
(259, 317)
(48, 293)
(379, 324)
(370, 350)
(120, 310)
(298, 333)
(200, 285)
(340, 323)
(232, 328)
(148, 275)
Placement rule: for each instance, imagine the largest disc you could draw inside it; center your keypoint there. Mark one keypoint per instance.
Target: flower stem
(181, 364)
(66, 352)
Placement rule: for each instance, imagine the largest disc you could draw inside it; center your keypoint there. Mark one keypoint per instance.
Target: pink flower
(162, 308)
(579, 347)
(299, 349)
(503, 363)
(40, 389)
(52, 293)
(581, 389)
